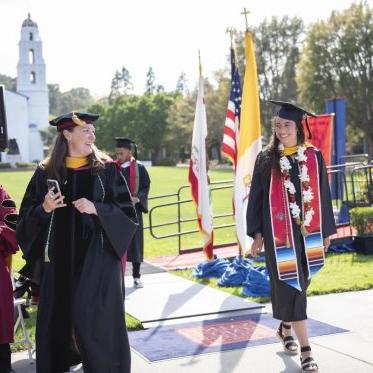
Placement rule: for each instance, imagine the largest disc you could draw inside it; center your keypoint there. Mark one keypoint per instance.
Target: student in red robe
(8, 246)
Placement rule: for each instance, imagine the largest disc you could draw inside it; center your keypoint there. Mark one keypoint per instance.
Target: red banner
(322, 134)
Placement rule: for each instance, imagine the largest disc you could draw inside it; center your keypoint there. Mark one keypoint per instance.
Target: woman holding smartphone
(75, 222)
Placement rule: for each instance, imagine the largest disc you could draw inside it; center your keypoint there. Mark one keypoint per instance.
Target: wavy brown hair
(54, 164)
(271, 156)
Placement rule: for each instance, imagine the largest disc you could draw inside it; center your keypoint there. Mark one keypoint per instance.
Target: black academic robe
(135, 252)
(288, 303)
(81, 309)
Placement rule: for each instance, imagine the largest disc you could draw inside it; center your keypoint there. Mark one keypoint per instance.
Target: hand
(257, 245)
(85, 206)
(53, 201)
(326, 244)
(135, 200)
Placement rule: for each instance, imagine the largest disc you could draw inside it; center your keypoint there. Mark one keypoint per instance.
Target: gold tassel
(77, 121)
(287, 241)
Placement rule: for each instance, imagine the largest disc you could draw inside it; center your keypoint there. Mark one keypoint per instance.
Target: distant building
(27, 110)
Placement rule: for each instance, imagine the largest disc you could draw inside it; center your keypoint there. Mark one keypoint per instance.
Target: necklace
(306, 191)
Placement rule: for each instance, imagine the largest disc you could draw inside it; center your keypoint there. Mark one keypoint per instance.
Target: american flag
(232, 119)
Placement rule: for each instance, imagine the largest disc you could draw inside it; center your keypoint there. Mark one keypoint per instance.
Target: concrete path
(350, 352)
(166, 296)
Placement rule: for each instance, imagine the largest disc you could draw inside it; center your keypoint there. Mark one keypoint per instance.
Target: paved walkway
(349, 352)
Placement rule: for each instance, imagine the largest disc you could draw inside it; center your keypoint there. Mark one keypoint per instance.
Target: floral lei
(307, 193)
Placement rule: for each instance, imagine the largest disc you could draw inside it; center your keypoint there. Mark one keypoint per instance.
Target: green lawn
(342, 272)
(165, 180)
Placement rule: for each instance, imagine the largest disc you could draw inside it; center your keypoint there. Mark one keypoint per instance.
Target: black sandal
(290, 347)
(308, 363)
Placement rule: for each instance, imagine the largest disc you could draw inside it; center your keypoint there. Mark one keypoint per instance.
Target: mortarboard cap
(73, 119)
(293, 112)
(124, 142)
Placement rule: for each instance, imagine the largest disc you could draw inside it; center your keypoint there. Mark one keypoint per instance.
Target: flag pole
(199, 62)
(230, 31)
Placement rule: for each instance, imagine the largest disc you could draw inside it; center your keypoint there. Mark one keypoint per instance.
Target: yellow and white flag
(250, 142)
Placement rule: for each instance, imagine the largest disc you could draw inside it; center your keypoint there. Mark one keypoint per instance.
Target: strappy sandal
(290, 346)
(308, 363)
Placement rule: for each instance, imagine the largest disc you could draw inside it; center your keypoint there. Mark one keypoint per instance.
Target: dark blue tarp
(236, 273)
(211, 268)
(257, 283)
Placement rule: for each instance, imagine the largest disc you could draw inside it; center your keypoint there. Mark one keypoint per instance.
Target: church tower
(31, 82)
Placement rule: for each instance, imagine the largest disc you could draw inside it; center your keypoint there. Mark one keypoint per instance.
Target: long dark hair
(54, 164)
(271, 155)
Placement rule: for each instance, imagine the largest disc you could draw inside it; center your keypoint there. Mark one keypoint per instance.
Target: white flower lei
(307, 193)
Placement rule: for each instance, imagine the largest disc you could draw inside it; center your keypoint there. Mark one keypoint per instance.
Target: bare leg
(300, 329)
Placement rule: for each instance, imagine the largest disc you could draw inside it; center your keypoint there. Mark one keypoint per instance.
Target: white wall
(16, 109)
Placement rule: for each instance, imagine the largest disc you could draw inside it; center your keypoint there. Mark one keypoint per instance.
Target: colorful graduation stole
(134, 177)
(283, 235)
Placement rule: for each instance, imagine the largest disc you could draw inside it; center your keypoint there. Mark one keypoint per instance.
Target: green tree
(181, 84)
(150, 86)
(9, 83)
(141, 118)
(121, 84)
(47, 135)
(338, 61)
(55, 96)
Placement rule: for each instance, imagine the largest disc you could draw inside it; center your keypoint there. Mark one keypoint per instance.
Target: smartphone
(53, 185)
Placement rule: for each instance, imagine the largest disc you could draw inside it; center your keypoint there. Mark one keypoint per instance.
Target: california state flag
(249, 142)
(198, 177)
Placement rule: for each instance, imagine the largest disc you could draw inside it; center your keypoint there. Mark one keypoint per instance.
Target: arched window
(31, 55)
(32, 77)
(31, 36)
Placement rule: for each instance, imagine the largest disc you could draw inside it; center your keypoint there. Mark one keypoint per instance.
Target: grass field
(164, 180)
(342, 272)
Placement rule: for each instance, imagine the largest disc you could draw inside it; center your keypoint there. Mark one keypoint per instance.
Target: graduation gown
(288, 304)
(81, 309)
(135, 252)
(8, 246)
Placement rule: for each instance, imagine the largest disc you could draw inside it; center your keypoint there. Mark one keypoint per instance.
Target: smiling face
(286, 131)
(80, 140)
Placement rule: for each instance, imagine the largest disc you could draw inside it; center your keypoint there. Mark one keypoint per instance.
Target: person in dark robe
(139, 184)
(8, 247)
(290, 212)
(73, 237)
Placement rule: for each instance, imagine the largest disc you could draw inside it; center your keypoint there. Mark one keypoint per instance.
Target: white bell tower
(31, 82)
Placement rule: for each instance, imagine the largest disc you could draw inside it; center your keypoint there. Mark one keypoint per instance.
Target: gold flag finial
(245, 13)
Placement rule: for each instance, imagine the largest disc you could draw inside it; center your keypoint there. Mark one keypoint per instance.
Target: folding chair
(21, 321)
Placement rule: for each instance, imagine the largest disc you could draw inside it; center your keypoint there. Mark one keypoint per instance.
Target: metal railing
(351, 183)
(214, 186)
(362, 185)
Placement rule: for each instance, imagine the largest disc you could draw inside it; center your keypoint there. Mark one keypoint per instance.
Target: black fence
(351, 186)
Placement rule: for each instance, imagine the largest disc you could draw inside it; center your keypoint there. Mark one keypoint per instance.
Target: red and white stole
(134, 177)
(283, 235)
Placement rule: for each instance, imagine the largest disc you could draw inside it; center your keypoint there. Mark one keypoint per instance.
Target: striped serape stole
(283, 239)
(313, 239)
